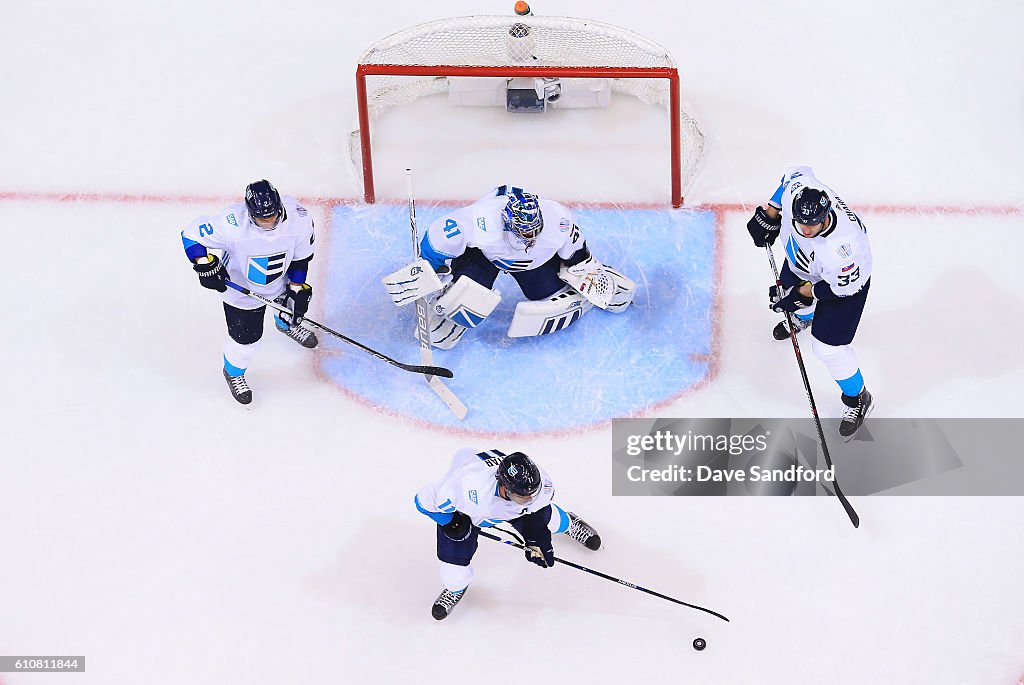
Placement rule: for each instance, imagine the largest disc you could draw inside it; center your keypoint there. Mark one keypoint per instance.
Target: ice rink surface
(173, 537)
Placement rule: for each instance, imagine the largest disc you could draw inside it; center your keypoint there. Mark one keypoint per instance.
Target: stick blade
(448, 397)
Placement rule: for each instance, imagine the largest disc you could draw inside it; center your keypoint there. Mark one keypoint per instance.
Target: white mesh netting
(515, 42)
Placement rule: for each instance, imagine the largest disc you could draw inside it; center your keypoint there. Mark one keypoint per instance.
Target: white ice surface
(153, 525)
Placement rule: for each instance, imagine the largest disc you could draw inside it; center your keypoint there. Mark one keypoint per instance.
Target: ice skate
(583, 533)
(857, 410)
(781, 331)
(299, 334)
(239, 387)
(445, 603)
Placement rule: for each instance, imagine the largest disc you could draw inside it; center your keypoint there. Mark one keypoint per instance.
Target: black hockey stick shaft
(854, 517)
(608, 577)
(426, 370)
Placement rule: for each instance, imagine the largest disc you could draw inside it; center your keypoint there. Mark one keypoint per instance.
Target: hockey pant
(834, 325)
(455, 557)
(245, 334)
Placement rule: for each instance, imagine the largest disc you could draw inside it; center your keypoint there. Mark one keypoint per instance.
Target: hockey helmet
(522, 217)
(519, 475)
(264, 202)
(811, 206)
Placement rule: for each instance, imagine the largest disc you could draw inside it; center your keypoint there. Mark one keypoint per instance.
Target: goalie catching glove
(600, 285)
(412, 282)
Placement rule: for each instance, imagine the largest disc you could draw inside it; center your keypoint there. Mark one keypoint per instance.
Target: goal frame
(437, 68)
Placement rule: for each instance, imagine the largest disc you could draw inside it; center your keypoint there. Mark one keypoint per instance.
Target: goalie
(510, 230)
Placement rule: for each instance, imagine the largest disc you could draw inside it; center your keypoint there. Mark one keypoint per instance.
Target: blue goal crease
(604, 366)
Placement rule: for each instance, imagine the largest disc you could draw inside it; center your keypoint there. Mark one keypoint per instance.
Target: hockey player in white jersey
(509, 230)
(266, 244)
(825, 278)
(483, 489)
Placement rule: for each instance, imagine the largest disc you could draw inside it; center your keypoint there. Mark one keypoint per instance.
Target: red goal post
(418, 62)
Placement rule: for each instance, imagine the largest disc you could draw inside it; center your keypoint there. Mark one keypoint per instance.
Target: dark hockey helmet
(522, 215)
(264, 202)
(519, 475)
(811, 206)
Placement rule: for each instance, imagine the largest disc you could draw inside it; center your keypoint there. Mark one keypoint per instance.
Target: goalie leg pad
(411, 282)
(444, 333)
(466, 303)
(540, 317)
(463, 305)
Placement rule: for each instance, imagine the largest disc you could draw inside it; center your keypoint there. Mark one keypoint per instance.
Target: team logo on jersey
(508, 265)
(231, 219)
(300, 210)
(564, 225)
(481, 223)
(472, 496)
(266, 269)
(844, 250)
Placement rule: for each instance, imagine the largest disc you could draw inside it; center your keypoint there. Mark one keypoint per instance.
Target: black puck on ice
(699, 644)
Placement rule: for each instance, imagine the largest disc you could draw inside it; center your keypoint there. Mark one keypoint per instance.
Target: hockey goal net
(581, 59)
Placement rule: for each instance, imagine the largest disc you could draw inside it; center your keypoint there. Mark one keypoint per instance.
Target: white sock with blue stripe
(237, 357)
(841, 362)
(455, 578)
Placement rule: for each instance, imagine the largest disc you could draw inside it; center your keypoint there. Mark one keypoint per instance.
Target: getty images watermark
(665, 442)
(734, 456)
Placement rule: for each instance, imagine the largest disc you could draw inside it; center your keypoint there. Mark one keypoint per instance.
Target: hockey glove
(459, 528)
(297, 301)
(211, 272)
(762, 228)
(789, 299)
(541, 554)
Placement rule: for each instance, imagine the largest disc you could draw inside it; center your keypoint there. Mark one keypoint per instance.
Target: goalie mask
(522, 216)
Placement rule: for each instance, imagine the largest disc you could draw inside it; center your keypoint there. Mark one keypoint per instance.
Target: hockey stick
(422, 334)
(428, 370)
(854, 517)
(591, 571)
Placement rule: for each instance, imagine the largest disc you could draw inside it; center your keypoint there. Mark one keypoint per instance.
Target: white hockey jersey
(255, 258)
(471, 486)
(840, 255)
(480, 225)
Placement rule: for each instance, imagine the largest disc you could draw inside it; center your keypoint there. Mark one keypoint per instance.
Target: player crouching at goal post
(535, 240)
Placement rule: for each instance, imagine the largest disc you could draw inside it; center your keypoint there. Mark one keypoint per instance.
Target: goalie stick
(422, 332)
(520, 543)
(430, 371)
(854, 517)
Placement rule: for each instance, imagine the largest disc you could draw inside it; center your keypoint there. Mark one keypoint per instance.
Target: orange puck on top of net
(522, 8)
